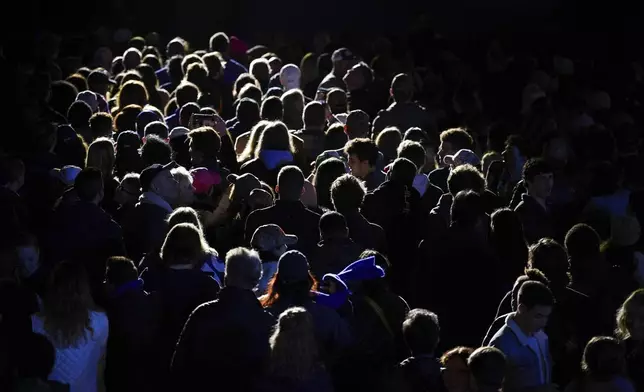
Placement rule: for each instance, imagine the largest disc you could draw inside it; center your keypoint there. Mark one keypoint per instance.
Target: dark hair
(186, 112)
(332, 223)
(290, 181)
(465, 177)
(174, 68)
(133, 93)
(583, 247)
(205, 140)
(186, 92)
(63, 94)
(325, 175)
(530, 274)
(506, 236)
(71, 148)
(533, 293)
(213, 64)
(365, 149)
(388, 141)
(101, 124)
(459, 138)
(88, 183)
(534, 167)
(403, 171)
(335, 138)
(488, 367)
(402, 88)
(457, 352)
(79, 114)
(219, 43)
(187, 61)
(156, 128)
(197, 73)
(78, 80)
(152, 60)
(314, 115)
(603, 359)
(126, 119)
(241, 82)
(549, 257)
(413, 151)
(120, 270)
(421, 331)
(467, 208)
(250, 91)
(127, 158)
(248, 111)
(155, 150)
(347, 193)
(272, 109)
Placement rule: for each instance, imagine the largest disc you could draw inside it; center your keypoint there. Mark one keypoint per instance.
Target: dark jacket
(145, 228)
(374, 179)
(224, 342)
(364, 233)
(537, 222)
(293, 218)
(333, 255)
(268, 165)
(438, 177)
(135, 320)
(313, 142)
(421, 374)
(404, 116)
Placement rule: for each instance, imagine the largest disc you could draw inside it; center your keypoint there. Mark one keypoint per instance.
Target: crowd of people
(332, 219)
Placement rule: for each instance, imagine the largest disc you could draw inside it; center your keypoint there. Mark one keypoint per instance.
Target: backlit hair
(101, 155)
(625, 312)
(294, 351)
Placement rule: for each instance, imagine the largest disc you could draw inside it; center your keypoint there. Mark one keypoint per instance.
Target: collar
(518, 332)
(131, 285)
(153, 198)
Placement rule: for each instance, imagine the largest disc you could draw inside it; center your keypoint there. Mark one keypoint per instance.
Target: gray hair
(243, 268)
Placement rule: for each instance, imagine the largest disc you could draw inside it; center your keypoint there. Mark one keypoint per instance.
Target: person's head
(63, 94)
(260, 69)
(79, 114)
(184, 215)
(462, 157)
(243, 268)
(253, 141)
(272, 109)
(271, 239)
(465, 177)
(158, 179)
(253, 92)
(583, 246)
(129, 190)
(126, 119)
(314, 116)
(213, 64)
(155, 150)
(388, 141)
(219, 42)
(294, 348)
(293, 103)
(357, 125)
(421, 332)
(156, 128)
(328, 172)
(197, 73)
(186, 93)
(506, 230)
(152, 60)
(248, 111)
(535, 303)
(467, 209)
(290, 183)
(99, 81)
(36, 358)
(187, 61)
(186, 189)
(630, 317)
(342, 60)
(362, 156)
(205, 144)
(403, 171)
(274, 137)
(89, 185)
(337, 101)
(335, 138)
(488, 158)
(118, 271)
(358, 77)
(292, 280)
(549, 257)
(603, 359)
(101, 155)
(101, 125)
(131, 58)
(66, 304)
(242, 81)
(274, 62)
(176, 47)
(347, 193)
(184, 245)
(402, 88)
(453, 140)
(413, 151)
(290, 77)
(309, 68)
(78, 80)
(175, 71)
(488, 366)
(333, 225)
(132, 93)
(186, 112)
(12, 172)
(148, 77)
(530, 274)
(538, 178)
(456, 375)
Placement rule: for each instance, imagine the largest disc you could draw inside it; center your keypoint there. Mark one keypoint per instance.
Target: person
(363, 162)
(456, 373)
(343, 59)
(347, 195)
(603, 365)
(127, 158)
(220, 42)
(421, 371)
(292, 285)
(101, 155)
(206, 146)
(335, 138)
(630, 330)
(387, 142)
(185, 93)
(271, 243)
(235, 326)
(325, 174)
(274, 151)
(33, 365)
(451, 141)
(101, 124)
(295, 361)
(533, 209)
(126, 196)
(156, 128)
(335, 250)
(293, 103)
(155, 151)
(260, 69)
(76, 328)
(523, 340)
(360, 90)
(488, 367)
(134, 318)
(403, 113)
(248, 115)
(312, 134)
(272, 109)
(185, 181)
(337, 100)
(508, 242)
(357, 125)
(145, 228)
(289, 77)
(415, 152)
(288, 212)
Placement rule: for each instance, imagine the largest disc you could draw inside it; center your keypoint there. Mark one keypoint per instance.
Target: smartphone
(202, 120)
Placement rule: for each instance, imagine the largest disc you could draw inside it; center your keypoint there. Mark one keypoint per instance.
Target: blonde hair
(624, 314)
(275, 137)
(253, 139)
(294, 351)
(101, 155)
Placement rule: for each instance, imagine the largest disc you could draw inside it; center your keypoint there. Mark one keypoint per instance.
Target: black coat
(224, 343)
(145, 229)
(333, 255)
(364, 233)
(537, 222)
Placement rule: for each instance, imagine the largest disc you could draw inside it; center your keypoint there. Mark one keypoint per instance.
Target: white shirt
(78, 366)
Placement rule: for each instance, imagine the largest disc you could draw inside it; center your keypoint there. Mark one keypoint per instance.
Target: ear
(391, 92)
(277, 189)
